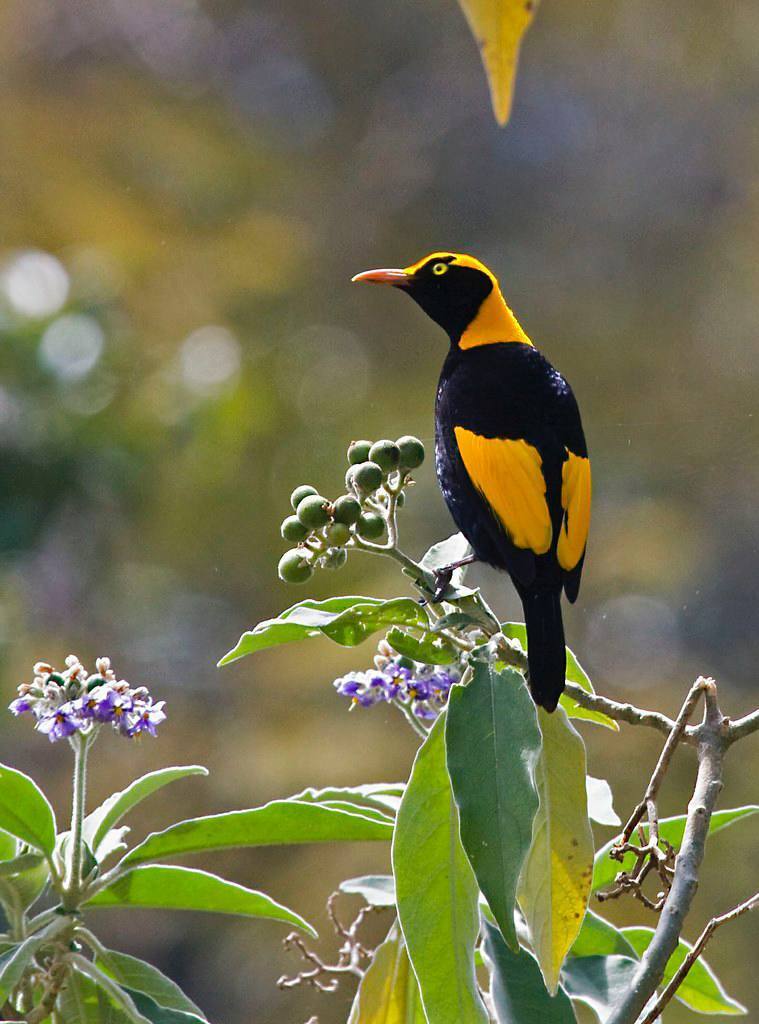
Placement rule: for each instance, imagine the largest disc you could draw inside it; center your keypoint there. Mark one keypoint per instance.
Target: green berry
(338, 534)
(400, 500)
(312, 511)
(293, 529)
(358, 451)
(386, 454)
(350, 479)
(370, 525)
(346, 510)
(293, 567)
(335, 558)
(300, 493)
(412, 451)
(368, 476)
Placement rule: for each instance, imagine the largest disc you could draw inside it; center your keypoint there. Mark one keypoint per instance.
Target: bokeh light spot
(72, 345)
(209, 358)
(35, 283)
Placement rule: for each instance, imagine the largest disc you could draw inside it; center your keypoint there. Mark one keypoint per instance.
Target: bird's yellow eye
(439, 268)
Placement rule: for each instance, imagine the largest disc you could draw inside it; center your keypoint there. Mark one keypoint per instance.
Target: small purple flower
(60, 723)
(145, 716)
(20, 705)
(425, 712)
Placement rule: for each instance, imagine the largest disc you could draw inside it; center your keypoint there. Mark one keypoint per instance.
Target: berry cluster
(73, 701)
(323, 529)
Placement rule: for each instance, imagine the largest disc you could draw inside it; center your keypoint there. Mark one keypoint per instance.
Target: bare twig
(698, 948)
(743, 727)
(353, 955)
(712, 743)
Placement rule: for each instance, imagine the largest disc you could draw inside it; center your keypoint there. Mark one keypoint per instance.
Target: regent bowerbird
(510, 452)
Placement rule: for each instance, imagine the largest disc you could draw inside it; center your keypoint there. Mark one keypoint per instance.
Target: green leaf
(26, 876)
(575, 674)
(436, 889)
(672, 829)
(555, 884)
(109, 814)
(137, 976)
(377, 890)
(25, 811)
(701, 990)
(446, 552)
(15, 960)
(492, 746)
(598, 981)
(157, 1014)
(347, 624)
(376, 796)
(430, 649)
(516, 986)
(388, 993)
(118, 997)
(84, 1002)
(175, 888)
(7, 846)
(278, 822)
(601, 802)
(598, 937)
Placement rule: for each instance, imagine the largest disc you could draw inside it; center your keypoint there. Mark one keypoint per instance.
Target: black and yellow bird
(510, 452)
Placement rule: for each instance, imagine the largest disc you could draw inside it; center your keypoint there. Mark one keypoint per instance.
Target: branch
(698, 948)
(711, 747)
(623, 712)
(743, 727)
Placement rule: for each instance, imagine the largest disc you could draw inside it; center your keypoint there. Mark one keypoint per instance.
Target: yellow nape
(509, 476)
(575, 500)
(494, 323)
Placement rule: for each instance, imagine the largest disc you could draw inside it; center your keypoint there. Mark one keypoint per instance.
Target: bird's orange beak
(399, 278)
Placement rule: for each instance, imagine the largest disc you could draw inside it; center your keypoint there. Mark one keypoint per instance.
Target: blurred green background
(187, 189)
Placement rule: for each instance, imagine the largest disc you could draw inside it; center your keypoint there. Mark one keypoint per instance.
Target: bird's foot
(443, 578)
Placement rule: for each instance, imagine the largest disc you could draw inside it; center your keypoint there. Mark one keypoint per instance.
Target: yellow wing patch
(509, 476)
(575, 500)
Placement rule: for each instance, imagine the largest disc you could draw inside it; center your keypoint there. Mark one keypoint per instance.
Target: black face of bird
(449, 290)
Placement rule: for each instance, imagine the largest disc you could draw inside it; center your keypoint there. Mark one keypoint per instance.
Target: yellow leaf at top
(556, 879)
(498, 27)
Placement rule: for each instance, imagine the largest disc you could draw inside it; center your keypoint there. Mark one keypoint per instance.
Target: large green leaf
(598, 981)
(701, 990)
(109, 814)
(349, 622)
(555, 883)
(436, 890)
(25, 811)
(492, 746)
(598, 937)
(7, 846)
(388, 993)
(278, 822)
(138, 976)
(516, 986)
(575, 674)
(175, 888)
(672, 829)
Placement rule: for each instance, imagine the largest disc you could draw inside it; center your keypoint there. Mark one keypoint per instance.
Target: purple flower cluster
(422, 688)
(73, 701)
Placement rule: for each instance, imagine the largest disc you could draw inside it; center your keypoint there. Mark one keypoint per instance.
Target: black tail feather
(546, 654)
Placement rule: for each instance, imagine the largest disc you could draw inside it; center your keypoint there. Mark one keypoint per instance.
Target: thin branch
(623, 712)
(743, 727)
(648, 975)
(695, 953)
